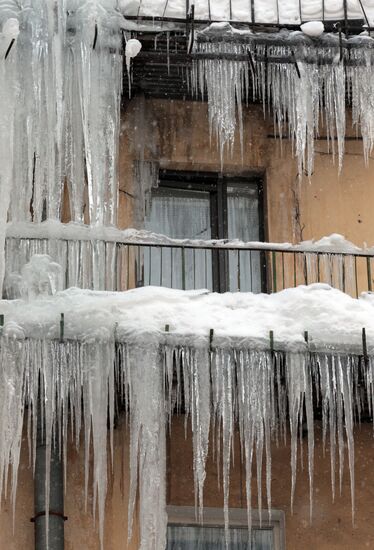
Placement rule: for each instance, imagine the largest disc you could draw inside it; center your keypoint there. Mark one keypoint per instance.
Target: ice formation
(263, 394)
(231, 381)
(304, 83)
(65, 70)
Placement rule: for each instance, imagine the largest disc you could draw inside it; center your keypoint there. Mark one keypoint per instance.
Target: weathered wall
(331, 527)
(176, 135)
(332, 522)
(81, 533)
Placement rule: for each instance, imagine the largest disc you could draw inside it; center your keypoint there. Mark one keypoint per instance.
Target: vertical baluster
(238, 273)
(294, 270)
(171, 266)
(274, 269)
(283, 277)
(305, 270)
(161, 264)
(183, 252)
(368, 271)
(128, 266)
(206, 267)
(356, 277)
(194, 267)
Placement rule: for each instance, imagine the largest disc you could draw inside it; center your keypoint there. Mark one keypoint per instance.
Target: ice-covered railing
(110, 259)
(209, 357)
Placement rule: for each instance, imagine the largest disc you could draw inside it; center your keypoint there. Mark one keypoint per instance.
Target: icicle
(148, 446)
(200, 419)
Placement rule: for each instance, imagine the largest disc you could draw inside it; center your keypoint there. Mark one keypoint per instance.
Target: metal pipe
(53, 538)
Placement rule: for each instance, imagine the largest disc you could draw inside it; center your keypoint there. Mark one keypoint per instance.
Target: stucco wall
(175, 134)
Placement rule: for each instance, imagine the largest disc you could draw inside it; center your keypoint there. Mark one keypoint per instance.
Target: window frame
(214, 517)
(216, 185)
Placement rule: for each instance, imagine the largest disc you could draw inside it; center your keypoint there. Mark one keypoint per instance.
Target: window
(184, 533)
(206, 206)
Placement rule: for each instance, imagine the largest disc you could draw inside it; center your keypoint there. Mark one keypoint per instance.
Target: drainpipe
(56, 498)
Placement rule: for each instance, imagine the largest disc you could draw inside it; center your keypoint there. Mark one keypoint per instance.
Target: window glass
(184, 537)
(243, 223)
(179, 214)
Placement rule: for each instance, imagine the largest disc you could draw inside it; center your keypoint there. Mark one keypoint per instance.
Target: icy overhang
(333, 320)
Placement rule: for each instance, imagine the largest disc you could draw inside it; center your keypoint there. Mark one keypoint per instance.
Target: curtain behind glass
(243, 223)
(180, 214)
(183, 537)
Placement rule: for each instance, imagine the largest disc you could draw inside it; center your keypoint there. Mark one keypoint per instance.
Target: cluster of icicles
(305, 86)
(61, 82)
(261, 394)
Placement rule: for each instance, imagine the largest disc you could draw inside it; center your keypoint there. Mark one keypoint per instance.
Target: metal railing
(220, 266)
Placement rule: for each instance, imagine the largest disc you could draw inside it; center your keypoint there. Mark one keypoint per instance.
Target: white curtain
(243, 223)
(180, 215)
(183, 537)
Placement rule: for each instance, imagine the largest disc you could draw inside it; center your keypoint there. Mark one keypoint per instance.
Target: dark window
(185, 533)
(206, 206)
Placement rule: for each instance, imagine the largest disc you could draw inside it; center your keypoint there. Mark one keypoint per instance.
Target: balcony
(130, 259)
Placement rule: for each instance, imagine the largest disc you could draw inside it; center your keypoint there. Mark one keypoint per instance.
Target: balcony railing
(219, 266)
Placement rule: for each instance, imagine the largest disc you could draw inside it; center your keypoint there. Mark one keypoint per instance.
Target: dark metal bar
(95, 37)
(364, 347)
(238, 270)
(305, 270)
(183, 268)
(9, 49)
(345, 9)
(253, 11)
(356, 277)
(62, 327)
(365, 14)
(274, 270)
(368, 268)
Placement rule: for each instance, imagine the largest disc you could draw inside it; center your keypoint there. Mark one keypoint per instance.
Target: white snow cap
(133, 47)
(11, 28)
(314, 29)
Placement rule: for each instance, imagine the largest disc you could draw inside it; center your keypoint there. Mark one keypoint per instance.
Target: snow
(55, 230)
(266, 11)
(334, 319)
(314, 29)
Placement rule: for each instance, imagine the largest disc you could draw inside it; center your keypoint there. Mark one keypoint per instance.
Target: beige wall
(81, 533)
(331, 527)
(332, 523)
(176, 135)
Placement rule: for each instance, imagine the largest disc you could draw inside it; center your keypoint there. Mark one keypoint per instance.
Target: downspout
(55, 538)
